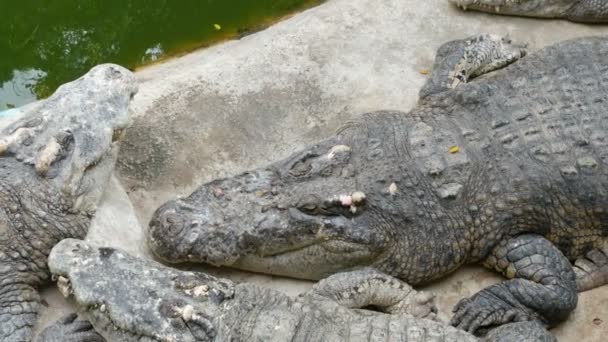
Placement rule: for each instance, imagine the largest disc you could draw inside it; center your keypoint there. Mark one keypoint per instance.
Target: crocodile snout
(166, 232)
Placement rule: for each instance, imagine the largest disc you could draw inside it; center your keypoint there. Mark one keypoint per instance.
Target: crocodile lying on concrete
(55, 161)
(163, 304)
(587, 11)
(509, 170)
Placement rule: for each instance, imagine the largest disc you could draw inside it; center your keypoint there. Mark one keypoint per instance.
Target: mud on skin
(507, 169)
(55, 161)
(164, 304)
(589, 11)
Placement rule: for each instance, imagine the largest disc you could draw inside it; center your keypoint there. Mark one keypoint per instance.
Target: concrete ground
(241, 104)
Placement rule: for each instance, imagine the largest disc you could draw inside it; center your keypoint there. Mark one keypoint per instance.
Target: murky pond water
(45, 43)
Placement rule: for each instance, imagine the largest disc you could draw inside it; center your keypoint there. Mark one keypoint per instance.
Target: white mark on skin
(337, 149)
(16, 138)
(392, 189)
(449, 191)
(357, 197)
(187, 313)
(47, 156)
(201, 290)
(346, 200)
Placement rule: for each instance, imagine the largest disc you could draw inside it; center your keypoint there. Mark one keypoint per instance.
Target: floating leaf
(217, 27)
(454, 149)
(424, 71)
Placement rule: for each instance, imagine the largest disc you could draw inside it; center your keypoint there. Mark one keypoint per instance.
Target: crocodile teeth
(187, 313)
(63, 284)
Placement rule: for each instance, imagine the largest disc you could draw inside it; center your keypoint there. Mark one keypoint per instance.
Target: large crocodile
(588, 11)
(132, 299)
(509, 170)
(55, 161)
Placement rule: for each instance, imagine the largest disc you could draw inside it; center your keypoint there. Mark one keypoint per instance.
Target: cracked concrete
(244, 103)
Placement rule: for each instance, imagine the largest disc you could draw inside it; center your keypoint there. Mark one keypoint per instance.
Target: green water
(44, 43)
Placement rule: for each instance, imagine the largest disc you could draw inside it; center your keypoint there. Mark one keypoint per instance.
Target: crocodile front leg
(19, 304)
(70, 329)
(368, 287)
(544, 287)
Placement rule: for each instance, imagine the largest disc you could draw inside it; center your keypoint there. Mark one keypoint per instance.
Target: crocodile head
(70, 140)
(131, 299)
(576, 10)
(304, 217)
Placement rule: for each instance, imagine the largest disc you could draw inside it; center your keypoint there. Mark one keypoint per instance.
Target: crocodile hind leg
(70, 329)
(368, 287)
(542, 287)
(458, 61)
(592, 269)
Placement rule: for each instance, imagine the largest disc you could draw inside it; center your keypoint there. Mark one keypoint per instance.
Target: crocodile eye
(303, 165)
(309, 204)
(313, 205)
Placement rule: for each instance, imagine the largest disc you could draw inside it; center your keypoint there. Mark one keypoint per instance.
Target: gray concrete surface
(241, 104)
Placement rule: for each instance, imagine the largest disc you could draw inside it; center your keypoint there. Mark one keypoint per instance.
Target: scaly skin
(587, 11)
(508, 169)
(55, 161)
(162, 304)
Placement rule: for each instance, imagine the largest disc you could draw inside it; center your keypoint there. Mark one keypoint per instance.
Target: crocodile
(585, 11)
(158, 303)
(55, 160)
(507, 169)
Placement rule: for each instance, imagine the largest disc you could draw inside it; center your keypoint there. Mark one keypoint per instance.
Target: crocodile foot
(70, 329)
(486, 309)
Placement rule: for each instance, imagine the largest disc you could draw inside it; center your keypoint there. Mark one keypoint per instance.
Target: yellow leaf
(424, 71)
(217, 27)
(454, 149)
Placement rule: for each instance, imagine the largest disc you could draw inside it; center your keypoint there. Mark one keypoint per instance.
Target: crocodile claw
(70, 329)
(483, 311)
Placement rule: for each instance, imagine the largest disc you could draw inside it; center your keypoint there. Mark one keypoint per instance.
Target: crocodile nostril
(170, 223)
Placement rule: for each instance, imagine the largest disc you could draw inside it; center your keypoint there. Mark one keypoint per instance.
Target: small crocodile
(509, 169)
(586, 11)
(130, 299)
(55, 161)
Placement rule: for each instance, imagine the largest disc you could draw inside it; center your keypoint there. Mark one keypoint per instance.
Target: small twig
(31, 37)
